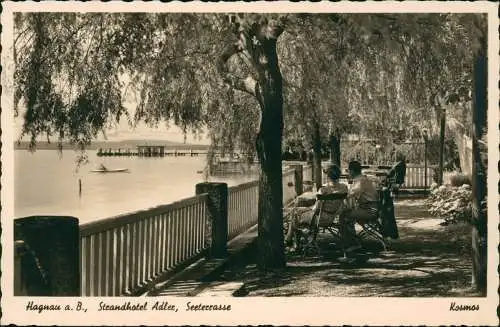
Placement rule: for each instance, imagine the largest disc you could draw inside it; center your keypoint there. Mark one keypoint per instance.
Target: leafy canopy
(74, 72)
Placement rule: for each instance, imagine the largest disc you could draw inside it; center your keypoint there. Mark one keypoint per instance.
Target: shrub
(451, 203)
(459, 179)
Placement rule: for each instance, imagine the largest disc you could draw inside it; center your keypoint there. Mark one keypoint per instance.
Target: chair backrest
(329, 205)
(398, 172)
(331, 196)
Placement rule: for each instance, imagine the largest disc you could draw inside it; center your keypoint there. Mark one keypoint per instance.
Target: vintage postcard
(260, 163)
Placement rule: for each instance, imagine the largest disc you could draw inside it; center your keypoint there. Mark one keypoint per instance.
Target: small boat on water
(103, 169)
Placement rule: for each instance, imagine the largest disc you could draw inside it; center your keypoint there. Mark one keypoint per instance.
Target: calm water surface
(47, 183)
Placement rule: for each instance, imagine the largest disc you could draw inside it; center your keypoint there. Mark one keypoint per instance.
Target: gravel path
(427, 260)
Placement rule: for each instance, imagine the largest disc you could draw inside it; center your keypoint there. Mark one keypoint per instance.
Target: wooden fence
(416, 177)
(123, 253)
(289, 192)
(307, 173)
(242, 208)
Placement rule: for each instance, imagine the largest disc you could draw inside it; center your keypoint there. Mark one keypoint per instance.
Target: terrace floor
(428, 260)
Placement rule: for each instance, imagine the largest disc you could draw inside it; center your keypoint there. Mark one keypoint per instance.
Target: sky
(124, 132)
(142, 132)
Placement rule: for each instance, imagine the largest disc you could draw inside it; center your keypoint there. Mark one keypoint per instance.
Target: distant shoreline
(126, 144)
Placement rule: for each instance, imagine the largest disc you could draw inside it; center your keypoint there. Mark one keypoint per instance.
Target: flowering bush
(451, 203)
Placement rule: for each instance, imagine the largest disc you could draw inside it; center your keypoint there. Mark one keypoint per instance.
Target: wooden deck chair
(323, 220)
(396, 177)
(374, 228)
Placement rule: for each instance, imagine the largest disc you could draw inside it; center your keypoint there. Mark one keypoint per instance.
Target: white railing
(123, 255)
(307, 172)
(243, 201)
(118, 255)
(289, 192)
(415, 177)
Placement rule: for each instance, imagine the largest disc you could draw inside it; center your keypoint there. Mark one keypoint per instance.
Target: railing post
(299, 178)
(19, 284)
(425, 165)
(50, 265)
(310, 162)
(441, 144)
(217, 216)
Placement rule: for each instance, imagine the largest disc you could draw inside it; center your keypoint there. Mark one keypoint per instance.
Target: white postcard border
(253, 310)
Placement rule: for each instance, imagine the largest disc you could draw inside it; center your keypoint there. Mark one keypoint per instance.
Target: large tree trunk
(334, 142)
(268, 145)
(479, 229)
(257, 41)
(270, 230)
(316, 138)
(464, 151)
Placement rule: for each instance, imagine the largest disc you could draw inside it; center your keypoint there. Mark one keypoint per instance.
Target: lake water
(47, 184)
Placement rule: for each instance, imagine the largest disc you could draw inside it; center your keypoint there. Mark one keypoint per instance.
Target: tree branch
(247, 84)
(84, 60)
(21, 49)
(243, 55)
(21, 34)
(270, 31)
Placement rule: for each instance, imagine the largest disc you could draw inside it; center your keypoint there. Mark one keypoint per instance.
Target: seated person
(396, 176)
(398, 172)
(361, 204)
(304, 216)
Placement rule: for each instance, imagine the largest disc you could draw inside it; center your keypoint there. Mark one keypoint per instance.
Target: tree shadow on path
(428, 260)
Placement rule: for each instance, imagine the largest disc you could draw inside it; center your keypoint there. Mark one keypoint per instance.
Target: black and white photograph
(210, 161)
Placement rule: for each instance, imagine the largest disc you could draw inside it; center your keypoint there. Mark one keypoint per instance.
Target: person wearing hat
(304, 216)
(361, 205)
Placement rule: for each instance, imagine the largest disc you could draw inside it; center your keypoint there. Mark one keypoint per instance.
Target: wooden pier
(150, 151)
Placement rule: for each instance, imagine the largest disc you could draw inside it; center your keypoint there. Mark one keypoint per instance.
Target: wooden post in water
(50, 264)
(217, 216)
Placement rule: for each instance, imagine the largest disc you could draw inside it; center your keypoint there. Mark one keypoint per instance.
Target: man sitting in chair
(304, 216)
(361, 205)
